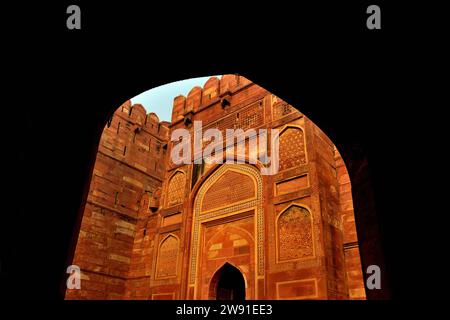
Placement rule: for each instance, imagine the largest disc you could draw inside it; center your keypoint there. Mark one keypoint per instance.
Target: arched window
(175, 190)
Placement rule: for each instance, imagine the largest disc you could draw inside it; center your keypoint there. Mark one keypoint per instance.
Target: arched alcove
(167, 257)
(294, 234)
(175, 190)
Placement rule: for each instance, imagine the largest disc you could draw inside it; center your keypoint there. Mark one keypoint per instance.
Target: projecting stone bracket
(225, 102)
(137, 127)
(187, 120)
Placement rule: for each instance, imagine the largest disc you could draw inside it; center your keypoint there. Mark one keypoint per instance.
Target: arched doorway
(227, 284)
(233, 233)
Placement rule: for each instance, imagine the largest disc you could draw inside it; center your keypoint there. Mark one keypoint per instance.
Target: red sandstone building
(155, 230)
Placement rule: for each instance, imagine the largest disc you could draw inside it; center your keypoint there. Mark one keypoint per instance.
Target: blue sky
(160, 99)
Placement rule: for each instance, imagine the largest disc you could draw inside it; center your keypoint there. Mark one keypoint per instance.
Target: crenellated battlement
(212, 90)
(137, 116)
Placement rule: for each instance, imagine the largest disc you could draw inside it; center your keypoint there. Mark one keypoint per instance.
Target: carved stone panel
(167, 257)
(294, 234)
(292, 185)
(175, 191)
(249, 117)
(282, 109)
(292, 148)
(231, 187)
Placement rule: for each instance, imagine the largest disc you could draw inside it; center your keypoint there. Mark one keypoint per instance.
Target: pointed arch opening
(228, 283)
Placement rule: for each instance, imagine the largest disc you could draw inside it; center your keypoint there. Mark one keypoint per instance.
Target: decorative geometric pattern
(248, 117)
(292, 148)
(282, 109)
(251, 117)
(198, 217)
(167, 257)
(230, 188)
(294, 234)
(175, 192)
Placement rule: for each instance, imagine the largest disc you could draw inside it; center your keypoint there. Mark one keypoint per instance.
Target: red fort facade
(155, 230)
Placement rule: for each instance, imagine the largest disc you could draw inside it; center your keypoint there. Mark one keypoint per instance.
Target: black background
(364, 88)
